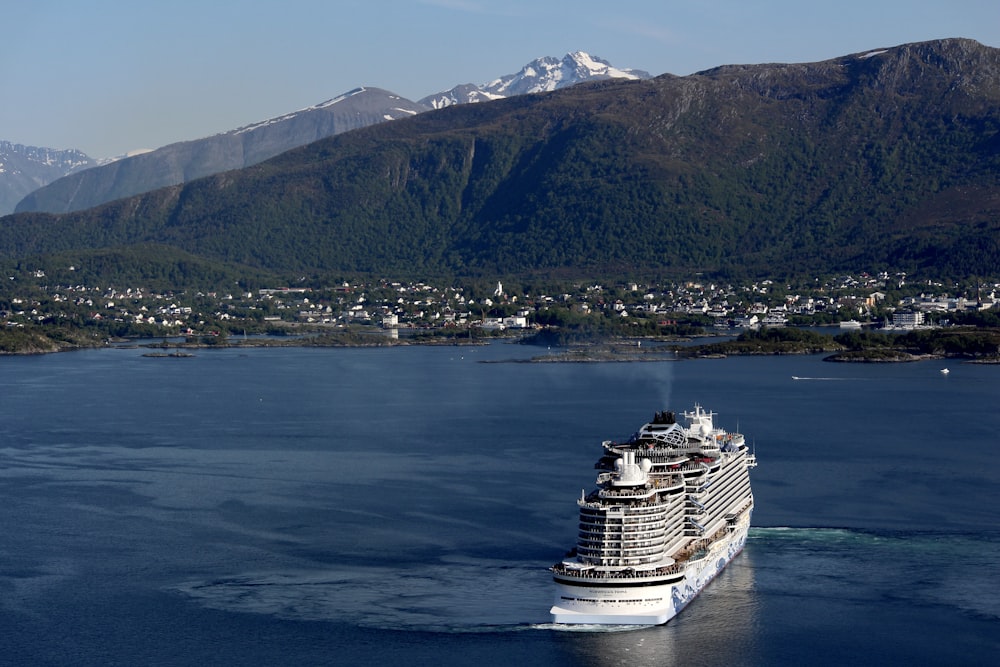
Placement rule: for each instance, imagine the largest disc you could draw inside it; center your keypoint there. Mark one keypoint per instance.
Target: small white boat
(944, 371)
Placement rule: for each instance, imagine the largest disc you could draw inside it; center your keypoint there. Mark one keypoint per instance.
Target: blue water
(305, 506)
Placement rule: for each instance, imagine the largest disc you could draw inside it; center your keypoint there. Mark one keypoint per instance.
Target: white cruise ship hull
(638, 604)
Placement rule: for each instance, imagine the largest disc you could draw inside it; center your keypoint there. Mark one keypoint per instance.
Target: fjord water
(348, 506)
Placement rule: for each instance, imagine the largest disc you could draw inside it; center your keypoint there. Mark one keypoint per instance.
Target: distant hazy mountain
(24, 169)
(187, 160)
(246, 146)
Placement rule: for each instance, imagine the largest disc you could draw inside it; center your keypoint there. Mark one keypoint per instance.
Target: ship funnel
(630, 473)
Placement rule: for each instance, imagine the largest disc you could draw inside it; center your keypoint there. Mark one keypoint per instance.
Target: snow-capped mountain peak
(540, 75)
(26, 168)
(548, 73)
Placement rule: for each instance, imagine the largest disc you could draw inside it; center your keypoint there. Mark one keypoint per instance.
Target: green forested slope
(890, 161)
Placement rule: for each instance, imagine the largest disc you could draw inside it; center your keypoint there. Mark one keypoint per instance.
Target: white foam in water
(584, 627)
(874, 564)
(454, 597)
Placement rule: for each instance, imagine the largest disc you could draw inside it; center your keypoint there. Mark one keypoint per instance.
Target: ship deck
(688, 552)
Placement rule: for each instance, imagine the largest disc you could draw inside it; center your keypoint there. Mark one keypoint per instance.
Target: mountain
(188, 160)
(27, 168)
(245, 146)
(883, 160)
(538, 76)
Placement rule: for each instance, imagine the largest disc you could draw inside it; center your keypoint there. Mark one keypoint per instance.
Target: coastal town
(882, 300)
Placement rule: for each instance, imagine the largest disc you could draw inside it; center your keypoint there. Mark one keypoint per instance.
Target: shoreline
(625, 350)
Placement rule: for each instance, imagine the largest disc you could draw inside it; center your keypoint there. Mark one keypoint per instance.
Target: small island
(974, 344)
(970, 344)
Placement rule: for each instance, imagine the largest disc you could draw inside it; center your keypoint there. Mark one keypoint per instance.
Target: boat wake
(448, 596)
(878, 565)
(445, 597)
(588, 627)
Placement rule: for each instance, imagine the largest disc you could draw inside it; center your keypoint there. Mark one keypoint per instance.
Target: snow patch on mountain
(391, 113)
(540, 75)
(27, 168)
(292, 114)
(259, 141)
(108, 160)
(18, 158)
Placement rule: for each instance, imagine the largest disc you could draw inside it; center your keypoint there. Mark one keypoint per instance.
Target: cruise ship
(671, 509)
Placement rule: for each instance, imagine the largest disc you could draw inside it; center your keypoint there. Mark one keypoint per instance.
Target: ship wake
(462, 596)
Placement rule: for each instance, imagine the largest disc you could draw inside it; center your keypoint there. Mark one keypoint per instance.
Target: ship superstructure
(672, 507)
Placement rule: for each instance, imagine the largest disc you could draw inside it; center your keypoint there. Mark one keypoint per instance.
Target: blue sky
(109, 76)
